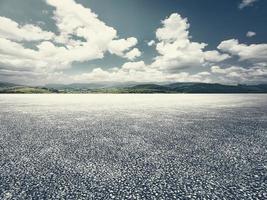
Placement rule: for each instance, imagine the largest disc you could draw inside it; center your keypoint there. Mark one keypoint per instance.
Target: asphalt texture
(133, 146)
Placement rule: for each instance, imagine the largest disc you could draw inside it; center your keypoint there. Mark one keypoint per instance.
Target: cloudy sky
(85, 41)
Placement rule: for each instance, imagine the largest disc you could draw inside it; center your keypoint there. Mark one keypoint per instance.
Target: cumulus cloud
(215, 56)
(10, 29)
(74, 19)
(253, 52)
(119, 47)
(250, 34)
(246, 3)
(177, 51)
(139, 72)
(14, 56)
(82, 37)
(175, 28)
(151, 43)
(174, 46)
(133, 54)
(134, 66)
(236, 74)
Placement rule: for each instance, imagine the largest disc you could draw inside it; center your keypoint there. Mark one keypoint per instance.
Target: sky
(144, 41)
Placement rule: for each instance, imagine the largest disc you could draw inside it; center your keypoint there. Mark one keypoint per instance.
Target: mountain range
(133, 88)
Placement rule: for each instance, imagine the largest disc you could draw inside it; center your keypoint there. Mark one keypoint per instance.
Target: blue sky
(51, 41)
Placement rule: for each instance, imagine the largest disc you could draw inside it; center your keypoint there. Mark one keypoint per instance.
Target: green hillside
(138, 88)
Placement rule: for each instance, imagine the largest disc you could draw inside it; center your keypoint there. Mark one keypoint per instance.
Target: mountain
(150, 88)
(132, 87)
(16, 88)
(215, 88)
(185, 88)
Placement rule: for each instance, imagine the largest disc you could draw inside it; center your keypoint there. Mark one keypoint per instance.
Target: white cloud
(133, 54)
(74, 19)
(151, 43)
(236, 74)
(250, 34)
(246, 3)
(136, 66)
(175, 28)
(119, 47)
(215, 56)
(204, 73)
(253, 52)
(54, 52)
(84, 37)
(140, 73)
(174, 46)
(14, 56)
(176, 49)
(10, 29)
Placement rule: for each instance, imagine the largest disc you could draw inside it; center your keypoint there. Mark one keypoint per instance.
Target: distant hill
(134, 88)
(189, 88)
(21, 89)
(215, 88)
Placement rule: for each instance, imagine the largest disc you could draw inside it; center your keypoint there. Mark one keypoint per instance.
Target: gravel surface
(133, 146)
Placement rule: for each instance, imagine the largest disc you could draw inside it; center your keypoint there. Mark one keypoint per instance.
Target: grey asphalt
(133, 147)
